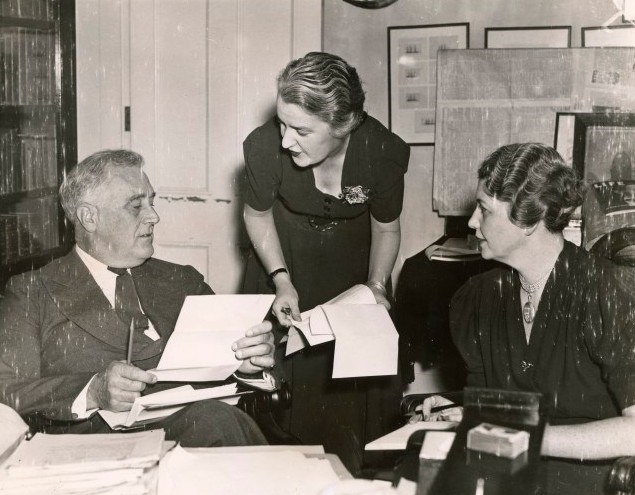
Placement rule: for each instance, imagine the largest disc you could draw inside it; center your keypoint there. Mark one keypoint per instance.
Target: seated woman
(557, 320)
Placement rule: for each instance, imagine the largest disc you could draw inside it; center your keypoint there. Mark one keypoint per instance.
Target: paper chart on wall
(487, 98)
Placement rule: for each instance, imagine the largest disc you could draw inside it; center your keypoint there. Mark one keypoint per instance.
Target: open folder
(199, 349)
(366, 341)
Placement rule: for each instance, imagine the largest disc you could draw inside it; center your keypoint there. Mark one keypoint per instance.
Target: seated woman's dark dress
(326, 245)
(580, 354)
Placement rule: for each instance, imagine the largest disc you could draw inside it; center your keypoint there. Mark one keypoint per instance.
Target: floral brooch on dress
(355, 195)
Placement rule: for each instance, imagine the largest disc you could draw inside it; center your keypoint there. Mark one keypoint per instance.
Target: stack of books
(454, 249)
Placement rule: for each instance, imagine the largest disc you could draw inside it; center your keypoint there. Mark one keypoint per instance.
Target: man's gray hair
(91, 173)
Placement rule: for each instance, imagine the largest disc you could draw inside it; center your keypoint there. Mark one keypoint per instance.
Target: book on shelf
(28, 66)
(9, 161)
(31, 228)
(26, 9)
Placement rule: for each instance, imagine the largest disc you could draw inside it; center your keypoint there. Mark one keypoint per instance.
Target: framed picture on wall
(604, 146)
(608, 36)
(604, 155)
(412, 76)
(528, 37)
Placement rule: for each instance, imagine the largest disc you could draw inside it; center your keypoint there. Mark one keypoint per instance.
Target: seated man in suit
(63, 328)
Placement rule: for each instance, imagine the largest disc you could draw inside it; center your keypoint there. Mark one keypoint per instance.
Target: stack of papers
(454, 249)
(199, 349)
(153, 407)
(366, 340)
(91, 463)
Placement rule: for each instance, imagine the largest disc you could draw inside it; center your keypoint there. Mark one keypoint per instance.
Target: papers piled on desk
(366, 341)
(154, 407)
(88, 464)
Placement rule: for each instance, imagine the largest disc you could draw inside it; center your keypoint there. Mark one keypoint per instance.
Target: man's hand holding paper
(210, 341)
(255, 349)
(117, 387)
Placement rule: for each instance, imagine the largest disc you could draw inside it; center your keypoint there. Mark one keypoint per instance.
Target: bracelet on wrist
(276, 272)
(377, 285)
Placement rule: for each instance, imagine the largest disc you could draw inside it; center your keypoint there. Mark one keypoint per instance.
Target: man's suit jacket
(57, 329)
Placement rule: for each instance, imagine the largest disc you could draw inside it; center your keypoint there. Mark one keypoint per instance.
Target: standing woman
(323, 194)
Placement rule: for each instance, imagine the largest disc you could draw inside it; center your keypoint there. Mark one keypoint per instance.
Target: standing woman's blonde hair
(326, 86)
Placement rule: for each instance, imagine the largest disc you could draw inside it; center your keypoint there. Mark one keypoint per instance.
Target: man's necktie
(127, 300)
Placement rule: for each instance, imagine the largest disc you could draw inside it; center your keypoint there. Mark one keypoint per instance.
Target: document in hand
(314, 328)
(366, 341)
(199, 349)
(153, 407)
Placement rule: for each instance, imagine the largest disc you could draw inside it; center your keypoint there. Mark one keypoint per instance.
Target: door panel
(201, 77)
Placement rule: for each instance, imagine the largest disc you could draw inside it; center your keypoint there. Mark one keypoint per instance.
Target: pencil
(443, 408)
(130, 340)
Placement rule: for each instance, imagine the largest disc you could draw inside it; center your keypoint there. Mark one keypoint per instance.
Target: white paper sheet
(264, 473)
(13, 430)
(436, 445)
(161, 404)
(314, 326)
(366, 341)
(398, 439)
(199, 349)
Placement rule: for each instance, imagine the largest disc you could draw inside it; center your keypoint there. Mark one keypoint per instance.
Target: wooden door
(198, 76)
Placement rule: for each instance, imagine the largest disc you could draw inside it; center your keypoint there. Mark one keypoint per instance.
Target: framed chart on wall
(412, 76)
(604, 146)
(608, 36)
(528, 37)
(604, 156)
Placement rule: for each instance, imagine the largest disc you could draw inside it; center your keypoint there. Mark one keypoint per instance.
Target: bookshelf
(38, 137)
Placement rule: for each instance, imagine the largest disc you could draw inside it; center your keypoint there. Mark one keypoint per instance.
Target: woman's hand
(436, 401)
(379, 291)
(285, 305)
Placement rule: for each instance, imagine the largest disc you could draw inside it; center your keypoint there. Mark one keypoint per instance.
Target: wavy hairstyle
(91, 173)
(324, 85)
(535, 181)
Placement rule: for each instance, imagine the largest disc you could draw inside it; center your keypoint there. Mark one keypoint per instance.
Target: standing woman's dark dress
(326, 245)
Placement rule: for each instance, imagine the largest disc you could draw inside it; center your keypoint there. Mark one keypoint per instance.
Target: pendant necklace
(529, 311)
